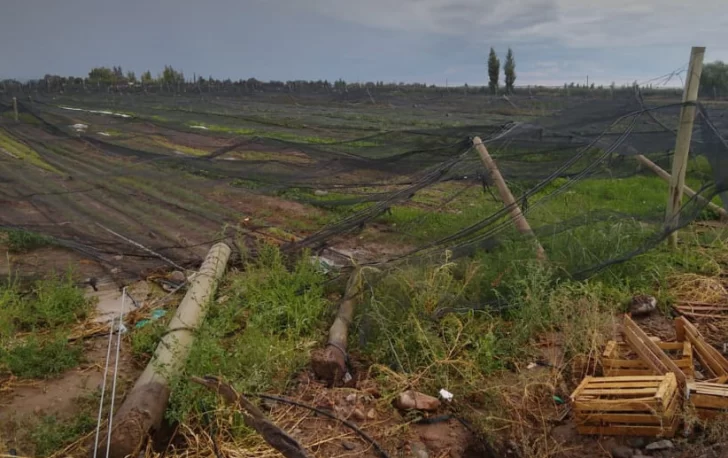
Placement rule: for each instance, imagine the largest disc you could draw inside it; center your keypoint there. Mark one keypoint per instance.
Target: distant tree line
(714, 79)
(714, 83)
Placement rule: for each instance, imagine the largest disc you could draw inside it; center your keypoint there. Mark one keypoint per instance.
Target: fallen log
(331, 363)
(143, 409)
(254, 418)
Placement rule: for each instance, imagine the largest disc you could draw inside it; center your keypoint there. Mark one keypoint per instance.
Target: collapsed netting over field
(119, 177)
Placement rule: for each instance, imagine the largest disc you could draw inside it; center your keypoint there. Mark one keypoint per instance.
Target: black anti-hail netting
(118, 177)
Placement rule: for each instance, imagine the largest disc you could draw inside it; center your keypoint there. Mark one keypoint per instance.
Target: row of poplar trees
(509, 70)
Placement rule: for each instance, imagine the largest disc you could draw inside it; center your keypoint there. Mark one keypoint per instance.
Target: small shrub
(20, 241)
(51, 303)
(37, 358)
(261, 335)
(144, 340)
(50, 434)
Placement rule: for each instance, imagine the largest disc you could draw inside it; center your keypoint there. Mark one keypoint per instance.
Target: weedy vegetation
(35, 323)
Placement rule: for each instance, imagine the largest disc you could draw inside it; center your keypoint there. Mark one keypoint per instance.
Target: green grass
(261, 334)
(20, 241)
(144, 340)
(453, 325)
(37, 357)
(44, 314)
(23, 152)
(25, 118)
(50, 434)
(277, 135)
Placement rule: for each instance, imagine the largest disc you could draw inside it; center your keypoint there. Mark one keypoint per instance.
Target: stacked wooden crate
(641, 405)
(709, 399)
(618, 359)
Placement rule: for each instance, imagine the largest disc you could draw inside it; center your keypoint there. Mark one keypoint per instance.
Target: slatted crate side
(667, 430)
(627, 405)
(614, 360)
(708, 399)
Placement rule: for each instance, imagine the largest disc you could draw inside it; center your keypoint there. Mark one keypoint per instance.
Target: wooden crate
(708, 398)
(619, 360)
(645, 405)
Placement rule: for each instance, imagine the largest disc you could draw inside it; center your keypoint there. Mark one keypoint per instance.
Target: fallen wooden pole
(143, 408)
(505, 194)
(660, 172)
(254, 418)
(331, 363)
(15, 108)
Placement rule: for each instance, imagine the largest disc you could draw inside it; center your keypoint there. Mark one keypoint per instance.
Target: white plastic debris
(80, 127)
(326, 265)
(531, 366)
(446, 395)
(199, 127)
(105, 134)
(123, 115)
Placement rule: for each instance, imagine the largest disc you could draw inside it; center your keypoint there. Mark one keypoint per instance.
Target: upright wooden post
(682, 143)
(505, 194)
(15, 108)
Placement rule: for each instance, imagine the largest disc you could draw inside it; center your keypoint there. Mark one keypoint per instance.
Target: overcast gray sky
(555, 41)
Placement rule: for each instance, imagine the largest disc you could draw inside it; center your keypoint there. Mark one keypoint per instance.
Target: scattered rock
(358, 415)
(564, 433)
(419, 450)
(643, 305)
(660, 445)
(409, 400)
(268, 404)
(348, 445)
(177, 277)
(371, 414)
(351, 399)
(636, 442)
(622, 451)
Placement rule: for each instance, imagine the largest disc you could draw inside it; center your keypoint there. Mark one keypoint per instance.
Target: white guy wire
(116, 368)
(103, 387)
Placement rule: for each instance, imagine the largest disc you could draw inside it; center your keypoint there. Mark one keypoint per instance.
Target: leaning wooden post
(686, 189)
(682, 143)
(143, 409)
(505, 194)
(331, 363)
(15, 108)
